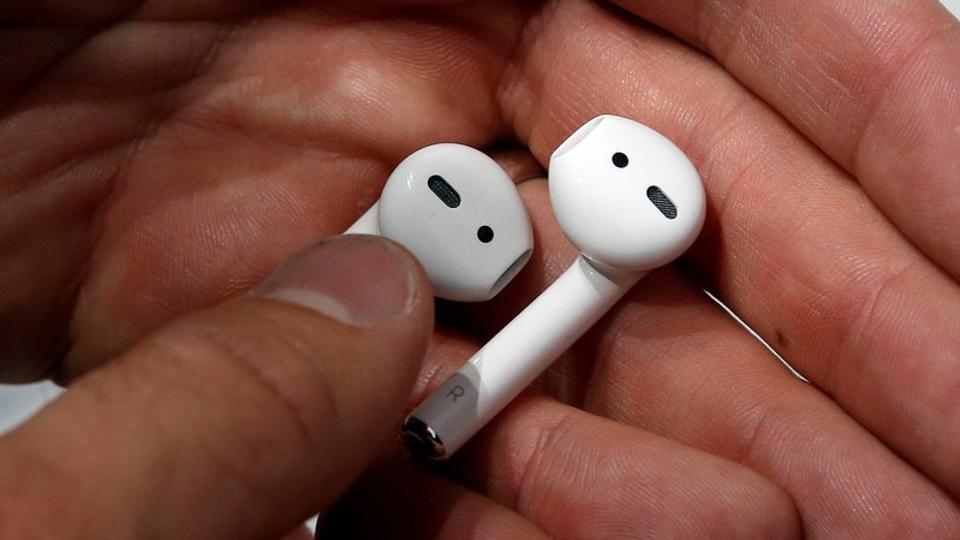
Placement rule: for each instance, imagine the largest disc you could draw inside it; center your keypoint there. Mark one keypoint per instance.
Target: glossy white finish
(603, 207)
(444, 239)
(510, 361)
(604, 210)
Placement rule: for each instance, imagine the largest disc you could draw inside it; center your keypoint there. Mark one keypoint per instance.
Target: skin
(158, 159)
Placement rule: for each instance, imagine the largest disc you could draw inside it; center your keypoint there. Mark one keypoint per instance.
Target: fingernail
(360, 280)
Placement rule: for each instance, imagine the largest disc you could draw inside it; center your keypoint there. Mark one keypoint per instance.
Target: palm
(162, 167)
(202, 154)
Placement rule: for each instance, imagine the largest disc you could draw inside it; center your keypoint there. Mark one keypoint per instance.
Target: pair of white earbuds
(623, 194)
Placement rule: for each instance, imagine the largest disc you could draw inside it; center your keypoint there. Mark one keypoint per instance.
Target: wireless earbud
(459, 213)
(631, 201)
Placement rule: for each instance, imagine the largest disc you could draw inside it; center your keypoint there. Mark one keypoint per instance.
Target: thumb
(236, 422)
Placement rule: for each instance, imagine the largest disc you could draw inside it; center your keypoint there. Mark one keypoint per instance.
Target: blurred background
(18, 402)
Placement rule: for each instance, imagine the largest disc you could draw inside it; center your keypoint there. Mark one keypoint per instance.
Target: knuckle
(860, 308)
(861, 305)
(533, 485)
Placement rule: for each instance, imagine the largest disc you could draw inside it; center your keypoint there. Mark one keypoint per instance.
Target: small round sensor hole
(485, 234)
(620, 160)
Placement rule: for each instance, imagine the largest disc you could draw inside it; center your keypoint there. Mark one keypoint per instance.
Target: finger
(576, 475)
(57, 183)
(580, 476)
(401, 500)
(518, 162)
(874, 84)
(670, 361)
(790, 244)
(237, 422)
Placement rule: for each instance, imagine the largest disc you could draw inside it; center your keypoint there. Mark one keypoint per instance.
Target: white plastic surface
(445, 239)
(953, 6)
(605, 210)
(513, 358)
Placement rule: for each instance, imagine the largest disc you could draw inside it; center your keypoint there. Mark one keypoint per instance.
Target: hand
(155, 168)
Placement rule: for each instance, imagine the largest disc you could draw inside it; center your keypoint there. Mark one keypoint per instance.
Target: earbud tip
(421, 441)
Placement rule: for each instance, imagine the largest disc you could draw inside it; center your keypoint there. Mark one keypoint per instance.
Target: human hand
(163, 167)
(237, 421)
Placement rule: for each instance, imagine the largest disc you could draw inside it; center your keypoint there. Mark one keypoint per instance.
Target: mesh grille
(444, 191)
(662, 202)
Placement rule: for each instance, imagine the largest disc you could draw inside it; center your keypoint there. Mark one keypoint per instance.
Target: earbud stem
(368, 223)
(510, 361)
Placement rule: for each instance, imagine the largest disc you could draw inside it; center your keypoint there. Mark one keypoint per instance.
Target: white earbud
(459, 213)
(631, 201)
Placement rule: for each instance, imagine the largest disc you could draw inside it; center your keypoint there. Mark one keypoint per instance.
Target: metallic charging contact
(445, 418)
